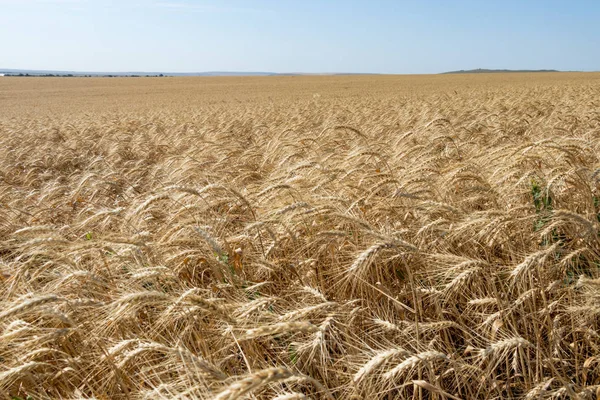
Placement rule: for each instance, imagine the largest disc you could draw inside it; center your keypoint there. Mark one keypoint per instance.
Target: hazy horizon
(249, 73)
(387, 37)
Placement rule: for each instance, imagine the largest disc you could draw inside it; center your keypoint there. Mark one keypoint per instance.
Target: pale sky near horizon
(311, 36)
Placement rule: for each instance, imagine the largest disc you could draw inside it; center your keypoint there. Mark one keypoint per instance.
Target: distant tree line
(82, 76)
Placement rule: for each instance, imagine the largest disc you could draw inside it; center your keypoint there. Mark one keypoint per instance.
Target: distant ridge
(489, 71)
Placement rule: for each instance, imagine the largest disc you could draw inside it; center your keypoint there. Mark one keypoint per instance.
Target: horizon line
(261, 73)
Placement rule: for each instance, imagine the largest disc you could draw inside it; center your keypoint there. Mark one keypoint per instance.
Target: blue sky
(383, 36)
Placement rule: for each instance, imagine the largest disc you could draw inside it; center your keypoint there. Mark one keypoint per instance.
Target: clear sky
(395, 36)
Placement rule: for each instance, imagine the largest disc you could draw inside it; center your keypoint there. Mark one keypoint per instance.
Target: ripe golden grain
(400, 237)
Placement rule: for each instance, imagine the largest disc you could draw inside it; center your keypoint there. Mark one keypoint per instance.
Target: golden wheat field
(316, 237)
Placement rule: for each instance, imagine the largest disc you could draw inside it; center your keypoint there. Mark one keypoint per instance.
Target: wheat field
(341, 237)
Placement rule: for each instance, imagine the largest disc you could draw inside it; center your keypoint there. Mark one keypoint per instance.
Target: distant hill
(489, 71)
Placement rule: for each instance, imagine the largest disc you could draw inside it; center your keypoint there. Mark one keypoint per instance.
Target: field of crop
(344, 237)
